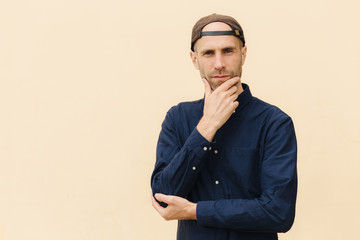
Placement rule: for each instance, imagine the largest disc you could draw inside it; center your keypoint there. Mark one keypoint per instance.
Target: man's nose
(219, 62)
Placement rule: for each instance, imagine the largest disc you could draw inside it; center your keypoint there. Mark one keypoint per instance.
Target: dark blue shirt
(244, 182)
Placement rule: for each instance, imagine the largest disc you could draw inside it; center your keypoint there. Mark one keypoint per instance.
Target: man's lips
(221, 77)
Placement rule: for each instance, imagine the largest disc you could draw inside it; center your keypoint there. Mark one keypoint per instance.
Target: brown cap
(199, 25)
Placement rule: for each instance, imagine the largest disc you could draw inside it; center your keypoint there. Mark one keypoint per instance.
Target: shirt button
(216, 151)
(216, 182)
(194, 168)
(205, 148)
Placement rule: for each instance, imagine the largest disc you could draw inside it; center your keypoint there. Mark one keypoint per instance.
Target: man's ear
(243, 54)
(194, 59)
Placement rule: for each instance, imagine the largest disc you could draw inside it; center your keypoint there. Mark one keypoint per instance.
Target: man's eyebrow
(222, 49)
(229, 47)
(206, 50)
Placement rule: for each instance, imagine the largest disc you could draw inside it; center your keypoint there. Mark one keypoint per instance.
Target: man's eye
(207, 53)
(228, 50)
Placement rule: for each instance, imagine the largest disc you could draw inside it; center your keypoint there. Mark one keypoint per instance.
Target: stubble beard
(214, 84)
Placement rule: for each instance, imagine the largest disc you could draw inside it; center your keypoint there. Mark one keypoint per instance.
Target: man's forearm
(177, 208)
(206, 129)
(218, 106)
(171, 175)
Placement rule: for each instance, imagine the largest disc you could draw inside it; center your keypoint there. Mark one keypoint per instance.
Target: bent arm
(177, 165)
(274, 210)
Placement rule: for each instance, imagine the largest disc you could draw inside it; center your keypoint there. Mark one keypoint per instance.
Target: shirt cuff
(205, 214)
(198, 144)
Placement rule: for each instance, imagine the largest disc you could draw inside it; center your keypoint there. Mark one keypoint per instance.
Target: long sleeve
(177, 164)
(274, 210)
(244, 182)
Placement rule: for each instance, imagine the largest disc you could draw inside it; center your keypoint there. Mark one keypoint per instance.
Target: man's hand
(178, 208)
(218, 107)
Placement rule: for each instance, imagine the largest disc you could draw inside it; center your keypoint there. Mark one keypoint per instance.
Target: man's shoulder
(271, 111)
(187, 106)
(185, 112)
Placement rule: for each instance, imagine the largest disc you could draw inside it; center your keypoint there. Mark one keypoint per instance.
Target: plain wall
(85, 85)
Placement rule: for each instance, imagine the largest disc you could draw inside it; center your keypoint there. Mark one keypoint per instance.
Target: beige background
(85, 85)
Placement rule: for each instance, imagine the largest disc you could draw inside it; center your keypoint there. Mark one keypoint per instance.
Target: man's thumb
(159, 197)
(207, 87)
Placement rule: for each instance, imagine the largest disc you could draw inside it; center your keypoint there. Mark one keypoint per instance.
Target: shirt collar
(244, 97)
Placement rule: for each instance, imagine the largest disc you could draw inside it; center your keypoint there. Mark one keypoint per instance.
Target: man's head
(218, 48)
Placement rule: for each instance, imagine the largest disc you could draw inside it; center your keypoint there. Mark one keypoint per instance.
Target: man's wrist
(192, 211)
(206, 129)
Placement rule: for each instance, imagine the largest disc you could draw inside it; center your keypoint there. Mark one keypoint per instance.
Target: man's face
(218, 58)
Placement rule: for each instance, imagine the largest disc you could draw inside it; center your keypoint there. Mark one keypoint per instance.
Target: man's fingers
(232, 90)
(207, 87)
(156, 205)
(153, 201)
(233, 96)
(162, 197)
(236, 104)
(228, 84)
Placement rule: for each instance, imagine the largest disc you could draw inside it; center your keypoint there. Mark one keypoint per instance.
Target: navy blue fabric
(244, 182)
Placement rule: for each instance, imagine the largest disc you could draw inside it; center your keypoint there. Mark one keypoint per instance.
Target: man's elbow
(285, 226)
(284, 223)
(159, 186)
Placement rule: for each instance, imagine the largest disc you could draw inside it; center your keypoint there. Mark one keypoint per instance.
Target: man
(226, 164)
